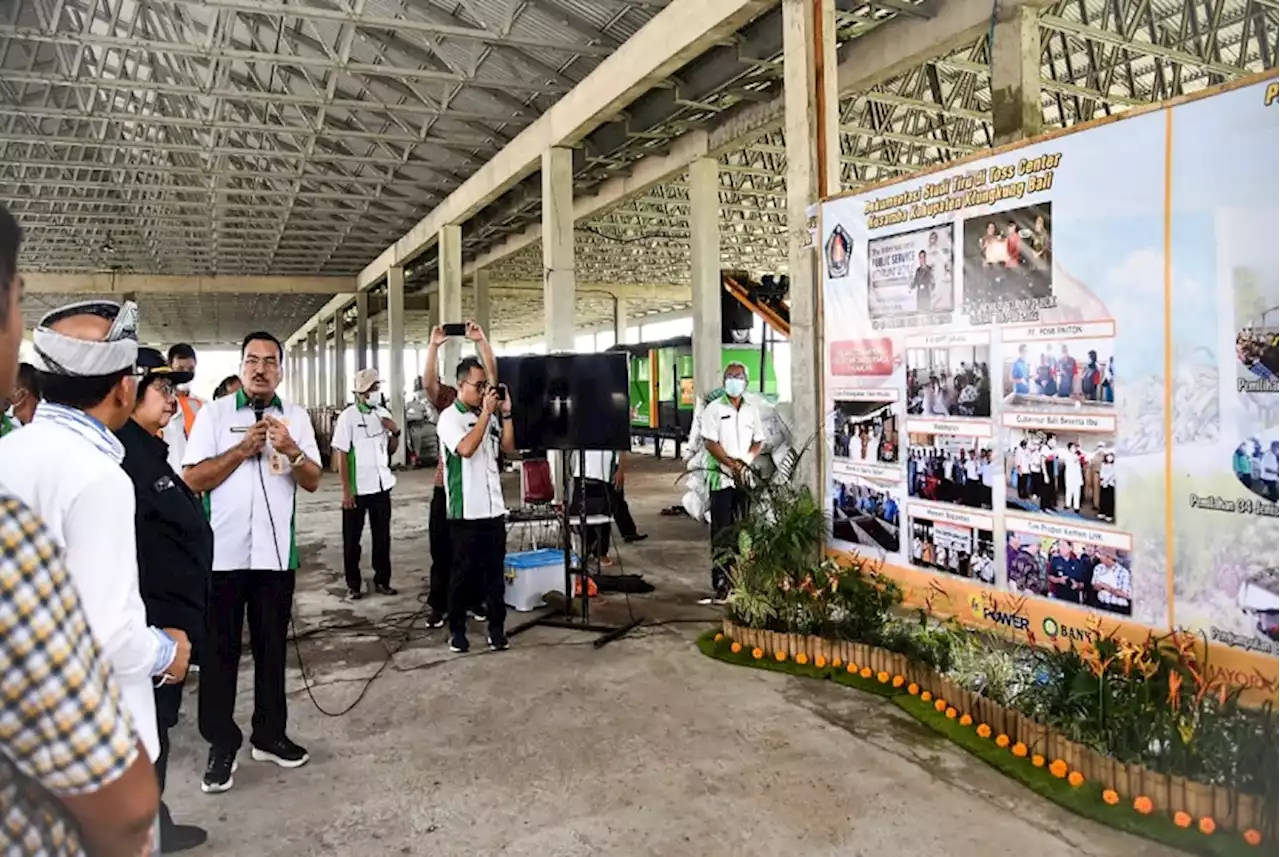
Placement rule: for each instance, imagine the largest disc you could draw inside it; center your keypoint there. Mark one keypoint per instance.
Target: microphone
(259, 408)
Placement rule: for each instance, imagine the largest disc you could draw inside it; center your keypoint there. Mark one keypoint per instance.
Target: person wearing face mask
(365, 436)
(1107, 487)
(733, 435)
(1073, 464)
(23, 400)
(182, 359)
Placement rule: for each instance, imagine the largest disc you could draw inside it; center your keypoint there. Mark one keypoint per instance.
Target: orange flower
(1182, 819)
(836, 663)
(1058, 768)
(1207, 826)
(913, 688)
(1037, 760)
(1002, 741)
(882, 677)
(940, 705)
(736, 647)
(1175, 687)
(984, 731)
(1253, 837)
(819, 662)
(802, 658)
(925, 696)
(853, 669)
(866, 672)
(1076, 779)
(757, 653)
(719, 637)
(951, 714)
(966, 720)
(779, 656)
(1110, 797)
(1143, 805)
(1020, 750)
(898, 681)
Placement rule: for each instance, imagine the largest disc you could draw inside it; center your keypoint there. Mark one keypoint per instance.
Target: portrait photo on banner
(1066, 474)
(911, 273)
(1096, 576)
(953, 548)
(865, 512)
(1008, 257)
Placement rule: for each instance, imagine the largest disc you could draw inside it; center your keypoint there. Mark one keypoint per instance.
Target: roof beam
(37, 282)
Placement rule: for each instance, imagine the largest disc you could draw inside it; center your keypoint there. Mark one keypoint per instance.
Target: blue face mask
(735, 387)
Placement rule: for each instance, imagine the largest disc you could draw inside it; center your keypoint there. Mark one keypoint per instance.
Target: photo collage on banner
(979, 331)
(996, 373)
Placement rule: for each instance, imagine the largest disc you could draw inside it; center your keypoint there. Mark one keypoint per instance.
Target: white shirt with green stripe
(359, 434)
(472, 486)
(736, 430)
(244, 519)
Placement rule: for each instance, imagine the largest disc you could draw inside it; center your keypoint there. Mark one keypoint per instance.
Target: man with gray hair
(733, 434)
(66, 467)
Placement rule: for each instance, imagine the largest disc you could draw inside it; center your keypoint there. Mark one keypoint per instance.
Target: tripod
(569, 618)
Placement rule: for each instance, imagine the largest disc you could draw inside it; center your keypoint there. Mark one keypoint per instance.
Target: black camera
(502, 392)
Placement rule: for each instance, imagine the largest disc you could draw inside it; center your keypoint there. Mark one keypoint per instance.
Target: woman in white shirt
(1107, 488)
(1074, 465)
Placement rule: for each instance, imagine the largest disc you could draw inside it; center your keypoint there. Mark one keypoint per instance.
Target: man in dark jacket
(175, 551)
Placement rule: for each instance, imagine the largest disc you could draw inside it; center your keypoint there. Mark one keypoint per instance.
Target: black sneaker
(435, 619)
(635, 537)
(283, 752)
(383, 589)
(458, 644)
(499, 643)
(181, 837)
(354, 595)
(219, 771)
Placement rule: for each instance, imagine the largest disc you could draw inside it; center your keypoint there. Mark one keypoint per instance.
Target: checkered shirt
(63, 730)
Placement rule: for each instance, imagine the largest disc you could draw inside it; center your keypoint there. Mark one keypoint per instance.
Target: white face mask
(735, 387)
(183, 389)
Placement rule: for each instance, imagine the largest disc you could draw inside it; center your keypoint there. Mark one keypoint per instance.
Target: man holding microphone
(244, 457)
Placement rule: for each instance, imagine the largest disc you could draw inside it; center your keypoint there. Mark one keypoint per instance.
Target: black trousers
(267, 598)
(727, 508)
(479, 555)
(441, 538)
(168, 704)
(378, 507)
(622, 512)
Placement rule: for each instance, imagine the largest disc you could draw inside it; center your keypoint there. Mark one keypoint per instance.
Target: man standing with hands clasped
(733, 435)
(248, 453)
(364, 437)
(472, 437)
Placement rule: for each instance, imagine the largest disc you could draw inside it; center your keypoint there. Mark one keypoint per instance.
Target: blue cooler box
(532, 574)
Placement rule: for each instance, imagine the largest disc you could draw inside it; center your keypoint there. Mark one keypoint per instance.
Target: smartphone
(455, 330)
(502, 392)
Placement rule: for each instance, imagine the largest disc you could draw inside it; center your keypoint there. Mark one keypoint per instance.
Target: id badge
(279, 464)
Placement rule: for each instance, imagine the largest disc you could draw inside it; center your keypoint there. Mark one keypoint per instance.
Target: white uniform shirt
(1270, 467)
(472, 486)
(175, 432)
(602, 464)
(360, 435)
(1114, 575)
(68, 471)
(736, 430)
(971, 469)
(251, 530)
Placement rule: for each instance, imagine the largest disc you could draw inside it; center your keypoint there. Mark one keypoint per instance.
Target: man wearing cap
(66, 467)
(182, 359)
(175, 551)
(365, 436)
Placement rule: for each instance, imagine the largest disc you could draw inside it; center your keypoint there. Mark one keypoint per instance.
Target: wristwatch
(298, 460)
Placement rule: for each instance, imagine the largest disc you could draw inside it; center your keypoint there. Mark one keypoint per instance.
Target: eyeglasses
(253, 362)
(479, 385)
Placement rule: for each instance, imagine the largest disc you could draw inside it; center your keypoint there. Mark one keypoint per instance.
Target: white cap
(365, 380)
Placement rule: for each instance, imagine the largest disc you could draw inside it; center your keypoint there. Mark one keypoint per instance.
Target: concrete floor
(644, 747)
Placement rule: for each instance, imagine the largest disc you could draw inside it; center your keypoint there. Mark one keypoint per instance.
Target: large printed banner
(1051, 380)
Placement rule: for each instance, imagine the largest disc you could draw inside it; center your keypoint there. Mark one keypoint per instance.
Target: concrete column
(375, 345)
(621, 313)
(362, 330)
(341, 389)
(484, 311)
(1016, 112)
(313, 368)
(395, 372)
(803, 126)
(433, 312)
(557, 248)
(324, 364)
(704, 272)
(449, 295)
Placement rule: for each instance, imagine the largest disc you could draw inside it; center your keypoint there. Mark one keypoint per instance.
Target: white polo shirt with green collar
(359, 434)
(253, 511)
(472, 486)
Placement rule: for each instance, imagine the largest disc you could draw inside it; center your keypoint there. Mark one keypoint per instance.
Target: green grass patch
(1085, 800)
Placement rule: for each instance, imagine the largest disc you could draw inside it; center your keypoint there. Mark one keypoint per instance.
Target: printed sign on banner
(999, 333)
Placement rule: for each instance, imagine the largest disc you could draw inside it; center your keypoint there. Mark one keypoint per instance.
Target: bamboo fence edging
(1168, 794)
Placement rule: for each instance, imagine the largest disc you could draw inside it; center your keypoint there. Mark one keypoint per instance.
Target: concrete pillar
(313, 368)
(704, 272)
(362, 330)
(375, 345)
(484, 311)
(433, 312)
(803, 127)
(621, 313)
(557, 248)
(449, 295)
(1016, 112)
(395, 372)
(341, 389)
(324, 362)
